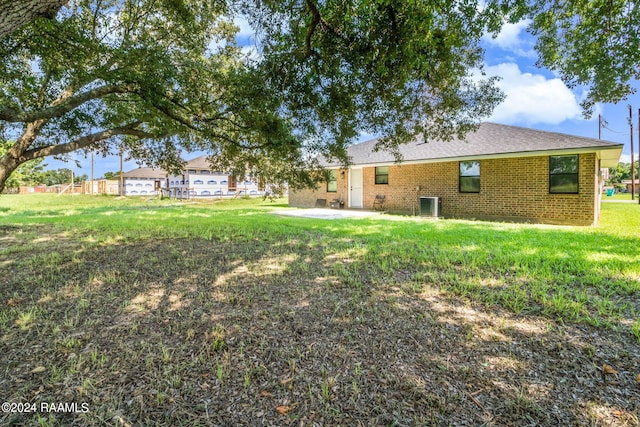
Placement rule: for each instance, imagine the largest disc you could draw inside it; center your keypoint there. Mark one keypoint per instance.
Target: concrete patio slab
(320, 213)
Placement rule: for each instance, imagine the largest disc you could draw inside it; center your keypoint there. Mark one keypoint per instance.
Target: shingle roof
(145, 173)
(200, 162)
(490, 140)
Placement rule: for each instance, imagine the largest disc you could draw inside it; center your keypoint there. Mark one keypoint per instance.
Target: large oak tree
(160, 76)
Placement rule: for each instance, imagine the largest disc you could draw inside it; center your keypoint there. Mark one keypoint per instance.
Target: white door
(355, 193)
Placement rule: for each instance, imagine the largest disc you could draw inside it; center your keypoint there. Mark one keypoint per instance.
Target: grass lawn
(221, 313)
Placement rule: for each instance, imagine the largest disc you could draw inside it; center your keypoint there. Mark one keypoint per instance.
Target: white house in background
(198, 180)
(143, 181)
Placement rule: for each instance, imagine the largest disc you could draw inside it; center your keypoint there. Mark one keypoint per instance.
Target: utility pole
(121, 174)
(633, 183)
(91, 191)
(633, 177)
(599, 126)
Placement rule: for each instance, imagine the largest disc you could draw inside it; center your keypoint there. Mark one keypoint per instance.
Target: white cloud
(508, 37)
(532, 98)
(510, 40)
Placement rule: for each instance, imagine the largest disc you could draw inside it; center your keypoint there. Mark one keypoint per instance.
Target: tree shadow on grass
(288, 332)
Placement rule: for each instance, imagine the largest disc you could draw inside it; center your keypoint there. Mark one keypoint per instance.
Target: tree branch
(316, 20)
(173, 115)
(86, 141)
(59, 109)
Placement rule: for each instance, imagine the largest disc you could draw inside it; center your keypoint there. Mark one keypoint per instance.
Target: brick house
(498, 172)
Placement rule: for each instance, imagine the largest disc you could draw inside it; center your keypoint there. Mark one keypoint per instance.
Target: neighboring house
(143, 182)
(498, 172)
(627, 184)
(198, 180)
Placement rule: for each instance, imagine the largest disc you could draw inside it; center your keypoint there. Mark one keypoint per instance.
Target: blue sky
(535, 98)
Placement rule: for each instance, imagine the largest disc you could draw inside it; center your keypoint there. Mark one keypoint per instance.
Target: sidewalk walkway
(619, 201)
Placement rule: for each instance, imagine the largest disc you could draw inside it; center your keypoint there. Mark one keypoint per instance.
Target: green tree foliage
(593, 43)
(61, 176)
(111, 175)
(157, 77)
(623, 172)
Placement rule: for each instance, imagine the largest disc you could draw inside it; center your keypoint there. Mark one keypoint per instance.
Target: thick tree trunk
(14, 157)
(7, 166)
(16, 13)
(21, 152)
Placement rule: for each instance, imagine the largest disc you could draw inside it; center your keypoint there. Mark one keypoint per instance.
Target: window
(332, 183)
(563, 174)
(382, 174)
(470, 177)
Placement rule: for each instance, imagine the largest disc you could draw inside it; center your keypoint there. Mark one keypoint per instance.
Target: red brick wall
(510, 189)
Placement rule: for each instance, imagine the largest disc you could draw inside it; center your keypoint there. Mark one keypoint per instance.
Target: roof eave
(609, 156)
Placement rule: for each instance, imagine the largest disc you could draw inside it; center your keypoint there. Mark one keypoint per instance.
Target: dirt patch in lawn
(200, 332)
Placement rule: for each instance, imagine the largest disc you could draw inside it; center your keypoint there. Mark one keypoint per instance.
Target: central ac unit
(430, 206)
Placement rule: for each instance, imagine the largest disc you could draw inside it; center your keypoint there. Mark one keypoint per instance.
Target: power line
(604, 125)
